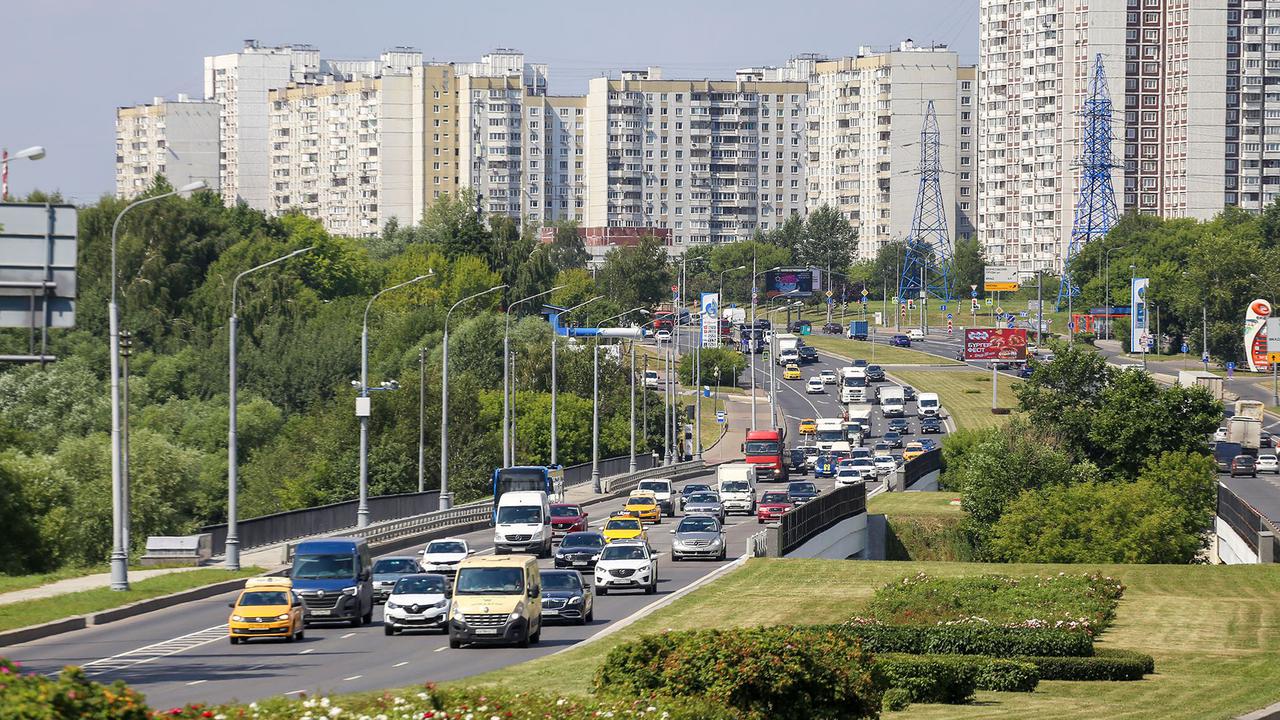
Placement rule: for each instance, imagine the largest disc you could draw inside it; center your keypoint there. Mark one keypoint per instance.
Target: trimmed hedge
(1148, 662)
(995, 674)
(771, 672)
(1118, 665)
(931, 678)
(968, 639)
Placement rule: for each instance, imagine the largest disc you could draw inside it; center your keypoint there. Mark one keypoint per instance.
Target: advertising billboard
(1000, 278)
(1255, 335)
(995, 344)
(710, 319)
(1139, 320)
(796, 282)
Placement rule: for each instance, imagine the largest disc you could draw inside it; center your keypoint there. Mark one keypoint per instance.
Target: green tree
(967, 264)
(829, 240)
(1139, 420)
(636, 276)
(567, 248)
(888, 266)
(789, 236)
(1192, 480)
(453, 224)
(729, 363)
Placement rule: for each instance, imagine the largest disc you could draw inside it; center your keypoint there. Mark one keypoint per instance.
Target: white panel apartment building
(713, 161)
(1165, 62)
(865, 117)
(1253, 104)
(174, 138)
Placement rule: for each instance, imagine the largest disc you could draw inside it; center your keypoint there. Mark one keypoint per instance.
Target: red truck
(765, 448)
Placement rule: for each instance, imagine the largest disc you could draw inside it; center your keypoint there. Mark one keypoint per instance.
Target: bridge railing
(805, 522)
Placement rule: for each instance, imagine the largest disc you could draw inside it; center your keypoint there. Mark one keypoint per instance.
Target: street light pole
(508, 387)
(595, 400)
(422, 417)
(555, 460)
(35, 152)
(446, 498)
(119, 510)
(233, 470)
(631, 465)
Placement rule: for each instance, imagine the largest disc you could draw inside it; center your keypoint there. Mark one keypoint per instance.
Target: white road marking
(308, 650)
(353, 677)
(197, 682)
(442, 648)
(401, 664)
(350, 634)
(158, 650)
(295, 692)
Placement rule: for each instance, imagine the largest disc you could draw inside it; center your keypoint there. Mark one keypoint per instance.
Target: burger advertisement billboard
(1009, 344)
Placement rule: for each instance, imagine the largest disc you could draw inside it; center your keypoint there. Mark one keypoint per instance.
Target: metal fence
(578, 474)
(806, 521)
(921, 466)
(1240, 516)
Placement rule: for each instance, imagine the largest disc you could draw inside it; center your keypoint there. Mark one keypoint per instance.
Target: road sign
(973, 293)
(864, 292)
(989, 302)
(1273, 357)
(1010, 323)
(1204, 358)
(1231, 368)
(974, 304)
(1071, 325)
(37, 266)
(999, 311)
(1184, 348)
(830, 294)
(943, 308)
(998, 278)
(720, 416)
(948, 316)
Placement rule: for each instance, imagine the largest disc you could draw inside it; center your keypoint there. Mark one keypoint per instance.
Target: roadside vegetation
(882, 354)
(965, 394)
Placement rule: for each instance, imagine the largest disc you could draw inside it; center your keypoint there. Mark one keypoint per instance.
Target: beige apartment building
(174, 138)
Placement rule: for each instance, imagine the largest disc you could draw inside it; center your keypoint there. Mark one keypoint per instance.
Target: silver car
(706, 503)
(698, 536)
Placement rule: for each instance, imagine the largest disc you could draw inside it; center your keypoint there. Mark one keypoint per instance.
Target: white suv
(662, 491)
(626, 565)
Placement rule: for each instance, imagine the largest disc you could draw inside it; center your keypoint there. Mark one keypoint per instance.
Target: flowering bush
(28, 696)
(1085, 602)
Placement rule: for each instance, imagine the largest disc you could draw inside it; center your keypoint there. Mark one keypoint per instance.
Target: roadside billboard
(796, 282)
(995, 344)
(1139, 321)
(710, 320)
(1255, 335)
(1000, 278)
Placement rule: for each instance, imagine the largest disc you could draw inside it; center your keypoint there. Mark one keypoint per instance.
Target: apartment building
(865, 114)
(713, 161)
(435, 135)
(174, 138)
(1253, 103)
(1166, 64)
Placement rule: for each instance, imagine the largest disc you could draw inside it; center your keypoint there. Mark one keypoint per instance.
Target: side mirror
(470, 553)
(231, 605)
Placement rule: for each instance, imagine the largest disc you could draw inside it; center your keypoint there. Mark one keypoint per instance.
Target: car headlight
(595, 557)
(517, 613)
(353, 590)
(237, 618)
(575, 600)
(392, 606)
(282, 616)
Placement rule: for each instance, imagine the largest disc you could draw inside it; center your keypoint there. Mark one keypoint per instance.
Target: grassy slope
(1212, 629)
(966, 394)
(884, 354)
(915, 503)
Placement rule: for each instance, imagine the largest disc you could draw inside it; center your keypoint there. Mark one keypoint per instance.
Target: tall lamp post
(595, 400)
(508, 390)
(35, 152)
(233, 470)
(119, 511)
(720, 287)
(555, 458)
(363, 404)
(1106, 274)
(446, 499)
(751, 342)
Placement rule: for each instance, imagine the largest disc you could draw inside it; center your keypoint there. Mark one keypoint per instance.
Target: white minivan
(929, 405)
(522, 523)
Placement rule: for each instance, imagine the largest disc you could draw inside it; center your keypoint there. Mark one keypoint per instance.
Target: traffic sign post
(720, 417)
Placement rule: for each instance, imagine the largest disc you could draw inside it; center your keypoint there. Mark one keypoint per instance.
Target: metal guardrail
(628, 482)
(803, 523)
(1241, 517)
(578, 474)
(758, 544)
(921, 466)
(390, 531)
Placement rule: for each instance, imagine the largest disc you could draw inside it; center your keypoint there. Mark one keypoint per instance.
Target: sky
(68, 64)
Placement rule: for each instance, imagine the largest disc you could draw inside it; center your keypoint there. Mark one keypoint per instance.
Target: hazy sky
(69, 63)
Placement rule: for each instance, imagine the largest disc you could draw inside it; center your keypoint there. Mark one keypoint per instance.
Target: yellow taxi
(644, 505)
(624, 527)
(912, 451)
(267, 607)
(792, 372)
(808, 426)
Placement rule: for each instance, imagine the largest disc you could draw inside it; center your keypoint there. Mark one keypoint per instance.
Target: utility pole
(1039, 304)
(631, 465)
(126, 349)
(422, 424)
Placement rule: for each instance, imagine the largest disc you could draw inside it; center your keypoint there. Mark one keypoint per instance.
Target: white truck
(893, 401)
(1245, 427)
(736, 484)
(830, 435)
(861, 414)
(1200, 378)
(788, 348)
(735, 315)
(853, 384)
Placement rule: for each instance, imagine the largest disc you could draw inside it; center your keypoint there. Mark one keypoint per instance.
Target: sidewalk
(738, 417)
(78, 584)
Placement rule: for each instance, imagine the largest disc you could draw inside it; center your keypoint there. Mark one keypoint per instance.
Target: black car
(691, 489)
(894, 439)
(930, 424)
(899, 425)
(908, 392)
(900, 341)
(797, 462)
(1244, 465)
(800, 493)
(566, 597)
(580, 550)
(808, 354)
(875, 373)
(833, 329)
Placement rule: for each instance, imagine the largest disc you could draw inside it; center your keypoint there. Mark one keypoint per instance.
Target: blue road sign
(943, 308)
(973, 293)
(1184, 348)
(948, 316)
(1071, 325)
(720, 418)
(1010, 323)
(706, 391)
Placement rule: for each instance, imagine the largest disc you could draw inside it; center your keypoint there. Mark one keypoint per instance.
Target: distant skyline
(70, 63)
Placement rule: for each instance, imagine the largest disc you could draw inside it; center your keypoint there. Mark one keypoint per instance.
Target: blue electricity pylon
(928, 252)
(1096, 207)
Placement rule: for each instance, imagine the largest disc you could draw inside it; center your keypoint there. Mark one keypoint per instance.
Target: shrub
(930, 679)
(1148, 662)
(966, 639)
(896, 699)
(27, 696)
(1124, 665)
(994, 674)
(783, 672)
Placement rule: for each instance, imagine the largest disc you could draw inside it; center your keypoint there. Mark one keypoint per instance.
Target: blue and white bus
(548, 479)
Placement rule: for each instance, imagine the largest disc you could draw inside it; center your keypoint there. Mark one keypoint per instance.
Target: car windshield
(395, 565)
(831, 435)
(565, 511)
(264, 597)
(622, 552)
(323, 567)
(697, 524)
(704, 498)
(695, 488)
(774, 497)
(640, 500)
(583, 540)
(519, 515)
(561, 581)
(490, 581)
(761, 447)
(421, 585)
(734, 486)
(623, 524)
(802, 488)
(446, 547)
(655, 486)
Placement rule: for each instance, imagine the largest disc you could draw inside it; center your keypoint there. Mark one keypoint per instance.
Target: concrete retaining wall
(1232, 549)
(845, 539)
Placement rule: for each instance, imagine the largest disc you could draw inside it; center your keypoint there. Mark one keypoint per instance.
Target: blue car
(928, 444)
(900, 341)
(825, 466)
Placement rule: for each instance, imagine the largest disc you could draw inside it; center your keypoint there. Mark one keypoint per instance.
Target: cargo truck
(860, 413)
(893, 402)
(1200, 378)
(830, 435)
(858, 330)
(788, 348)
(764, 449)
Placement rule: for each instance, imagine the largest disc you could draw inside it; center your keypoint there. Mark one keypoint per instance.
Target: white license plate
(321, 612)
(546, 611)
(581, 563)
(486, 631)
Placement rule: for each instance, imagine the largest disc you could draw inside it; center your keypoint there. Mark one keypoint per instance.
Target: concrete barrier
(36, 632)
(164, 601)
(846, 539)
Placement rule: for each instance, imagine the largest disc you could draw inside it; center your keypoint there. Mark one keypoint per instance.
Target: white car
(662, 336)
(417, 602)
(1268, 462)
(626, 565)
(829, 377)
(915, 334)
(443, 556)
(814, 386)
(848, 475)
(1220, 435)
(885, 465)
(662, 491)
(651, 379)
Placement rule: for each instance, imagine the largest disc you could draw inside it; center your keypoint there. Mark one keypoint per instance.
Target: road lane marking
(197, 682)
(442, 648)
(155, 651)
(353, 677)
(344, 637)
(295, 692)
(401, 664)
(308, 650)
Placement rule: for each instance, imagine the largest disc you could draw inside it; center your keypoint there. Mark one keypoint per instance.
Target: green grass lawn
(1211, 628)
(16, 615)
(914, 503)
(966, 394)
(883, 354)
(10, 583)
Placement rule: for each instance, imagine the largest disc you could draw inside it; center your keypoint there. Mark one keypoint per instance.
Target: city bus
(549, 480)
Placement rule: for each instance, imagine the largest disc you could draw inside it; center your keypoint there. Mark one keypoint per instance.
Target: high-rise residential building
(713, 161)
(1253, 103)
(174, 138)
(239, 82)
(1166, 64)
(966, 150)
(865, 116)
(436, 135)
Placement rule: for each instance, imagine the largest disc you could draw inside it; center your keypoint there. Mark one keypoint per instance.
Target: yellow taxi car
(792, 372)
(623, 527)
(912, 451)
(644, 505)
(808, 426)
(267, 607)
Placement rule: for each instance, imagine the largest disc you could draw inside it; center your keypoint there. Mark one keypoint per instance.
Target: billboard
(995, 344)
(710, 319)
(796, 282)
(1255, 335)
(1139, 319)
(1000, 278)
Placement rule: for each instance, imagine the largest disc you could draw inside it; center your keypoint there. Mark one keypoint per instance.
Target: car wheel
(388, 630)
(367, 617)
(591, 614)
(536, 637)
(355, 621)
(675, 557)
(602, 591)
(233, 639)
(653, 588)
(723, 553)
(524, 641)
(454, 643)
(302, 633)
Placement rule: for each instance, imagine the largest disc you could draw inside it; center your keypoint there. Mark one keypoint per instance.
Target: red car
(567, 518)
(772, 506)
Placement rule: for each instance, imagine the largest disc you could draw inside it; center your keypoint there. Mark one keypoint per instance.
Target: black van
(334, 577)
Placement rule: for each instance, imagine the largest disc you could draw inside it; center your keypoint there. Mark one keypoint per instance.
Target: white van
(736, 484)
(522, 523)
(651, 379)
(893, 401)
(929, 405)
